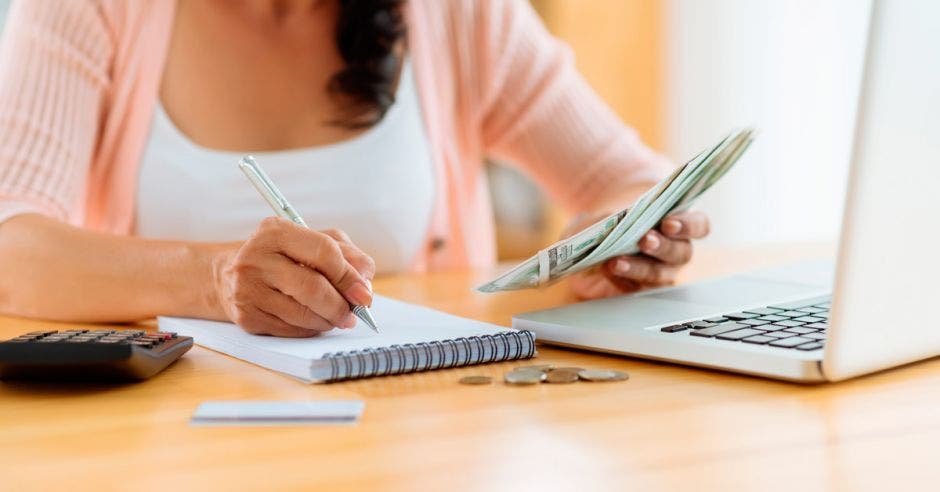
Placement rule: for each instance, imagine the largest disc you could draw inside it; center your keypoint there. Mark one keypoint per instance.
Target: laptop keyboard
(799, 325)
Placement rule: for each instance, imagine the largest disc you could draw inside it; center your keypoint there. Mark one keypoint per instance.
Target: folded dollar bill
(620, 233)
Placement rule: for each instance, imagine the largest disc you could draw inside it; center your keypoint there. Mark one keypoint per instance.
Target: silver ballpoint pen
(283, 208)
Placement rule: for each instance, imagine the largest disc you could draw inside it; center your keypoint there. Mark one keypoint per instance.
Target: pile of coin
(547, 373)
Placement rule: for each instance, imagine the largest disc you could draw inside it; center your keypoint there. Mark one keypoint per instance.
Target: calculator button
(142, 343)
(39, 333)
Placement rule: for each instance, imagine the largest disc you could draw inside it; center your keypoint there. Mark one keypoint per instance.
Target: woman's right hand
(289, 281)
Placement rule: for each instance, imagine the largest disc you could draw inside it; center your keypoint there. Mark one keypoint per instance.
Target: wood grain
(668, 427)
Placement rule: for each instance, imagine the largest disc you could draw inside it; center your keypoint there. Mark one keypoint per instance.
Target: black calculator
(90, 355)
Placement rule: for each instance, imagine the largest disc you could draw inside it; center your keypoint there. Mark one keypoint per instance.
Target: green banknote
(619, 233)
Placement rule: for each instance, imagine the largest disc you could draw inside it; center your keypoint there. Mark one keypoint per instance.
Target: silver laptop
(875, 307)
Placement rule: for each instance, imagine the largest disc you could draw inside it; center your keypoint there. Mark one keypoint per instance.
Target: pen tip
(365, 315)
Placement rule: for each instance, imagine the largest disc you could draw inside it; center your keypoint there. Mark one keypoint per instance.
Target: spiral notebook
(412, 338)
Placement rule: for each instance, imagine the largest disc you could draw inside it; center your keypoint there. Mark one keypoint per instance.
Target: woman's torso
(239, 80)
(378, 187)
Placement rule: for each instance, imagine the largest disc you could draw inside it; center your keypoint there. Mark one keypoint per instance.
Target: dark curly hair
(367, 33)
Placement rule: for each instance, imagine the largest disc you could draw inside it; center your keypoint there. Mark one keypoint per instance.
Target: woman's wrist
(205, 264)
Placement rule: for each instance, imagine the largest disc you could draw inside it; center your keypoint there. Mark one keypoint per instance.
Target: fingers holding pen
(362, 262)
(324, 254)
(312, 278)
(310, 290)
(287, 280)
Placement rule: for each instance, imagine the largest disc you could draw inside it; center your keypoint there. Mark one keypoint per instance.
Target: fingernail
(672, 227)
(621, 267)
(359, 294)
(369, 285)
(652, 242)
(348, 321)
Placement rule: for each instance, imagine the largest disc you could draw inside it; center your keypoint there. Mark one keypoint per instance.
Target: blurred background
(683, 73)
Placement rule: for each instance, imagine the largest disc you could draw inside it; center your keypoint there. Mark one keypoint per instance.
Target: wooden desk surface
(669, 427)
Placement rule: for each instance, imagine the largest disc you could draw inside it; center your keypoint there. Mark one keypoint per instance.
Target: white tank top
(377, 187)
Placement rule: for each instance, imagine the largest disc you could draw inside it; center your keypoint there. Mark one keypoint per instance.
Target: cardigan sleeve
(540, 114)
(54, 71)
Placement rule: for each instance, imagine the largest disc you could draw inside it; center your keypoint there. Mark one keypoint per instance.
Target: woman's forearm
(52, 270)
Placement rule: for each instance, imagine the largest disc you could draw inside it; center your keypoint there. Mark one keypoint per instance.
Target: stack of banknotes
(619, 234)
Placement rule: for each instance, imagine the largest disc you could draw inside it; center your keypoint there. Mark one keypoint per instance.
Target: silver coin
(537, 367)
(570, 369)
(603, 375)
(561, 376)
(524, 377)
(527, 370)
(475, 380)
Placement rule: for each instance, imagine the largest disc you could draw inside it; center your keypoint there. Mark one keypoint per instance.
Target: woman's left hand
(664, 250)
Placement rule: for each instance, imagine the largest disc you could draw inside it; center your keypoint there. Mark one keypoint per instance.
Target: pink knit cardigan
(79, 80)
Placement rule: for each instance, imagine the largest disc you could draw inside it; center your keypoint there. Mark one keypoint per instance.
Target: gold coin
(603, 375)
(560, 376)
(524, 377)
(475, 380)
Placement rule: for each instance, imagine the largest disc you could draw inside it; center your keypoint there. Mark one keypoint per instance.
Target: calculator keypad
(137, 338)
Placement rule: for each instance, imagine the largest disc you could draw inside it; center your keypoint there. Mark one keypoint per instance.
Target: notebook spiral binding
(416, 357)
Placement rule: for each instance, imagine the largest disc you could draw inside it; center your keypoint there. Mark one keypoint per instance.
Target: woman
(122, 122)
